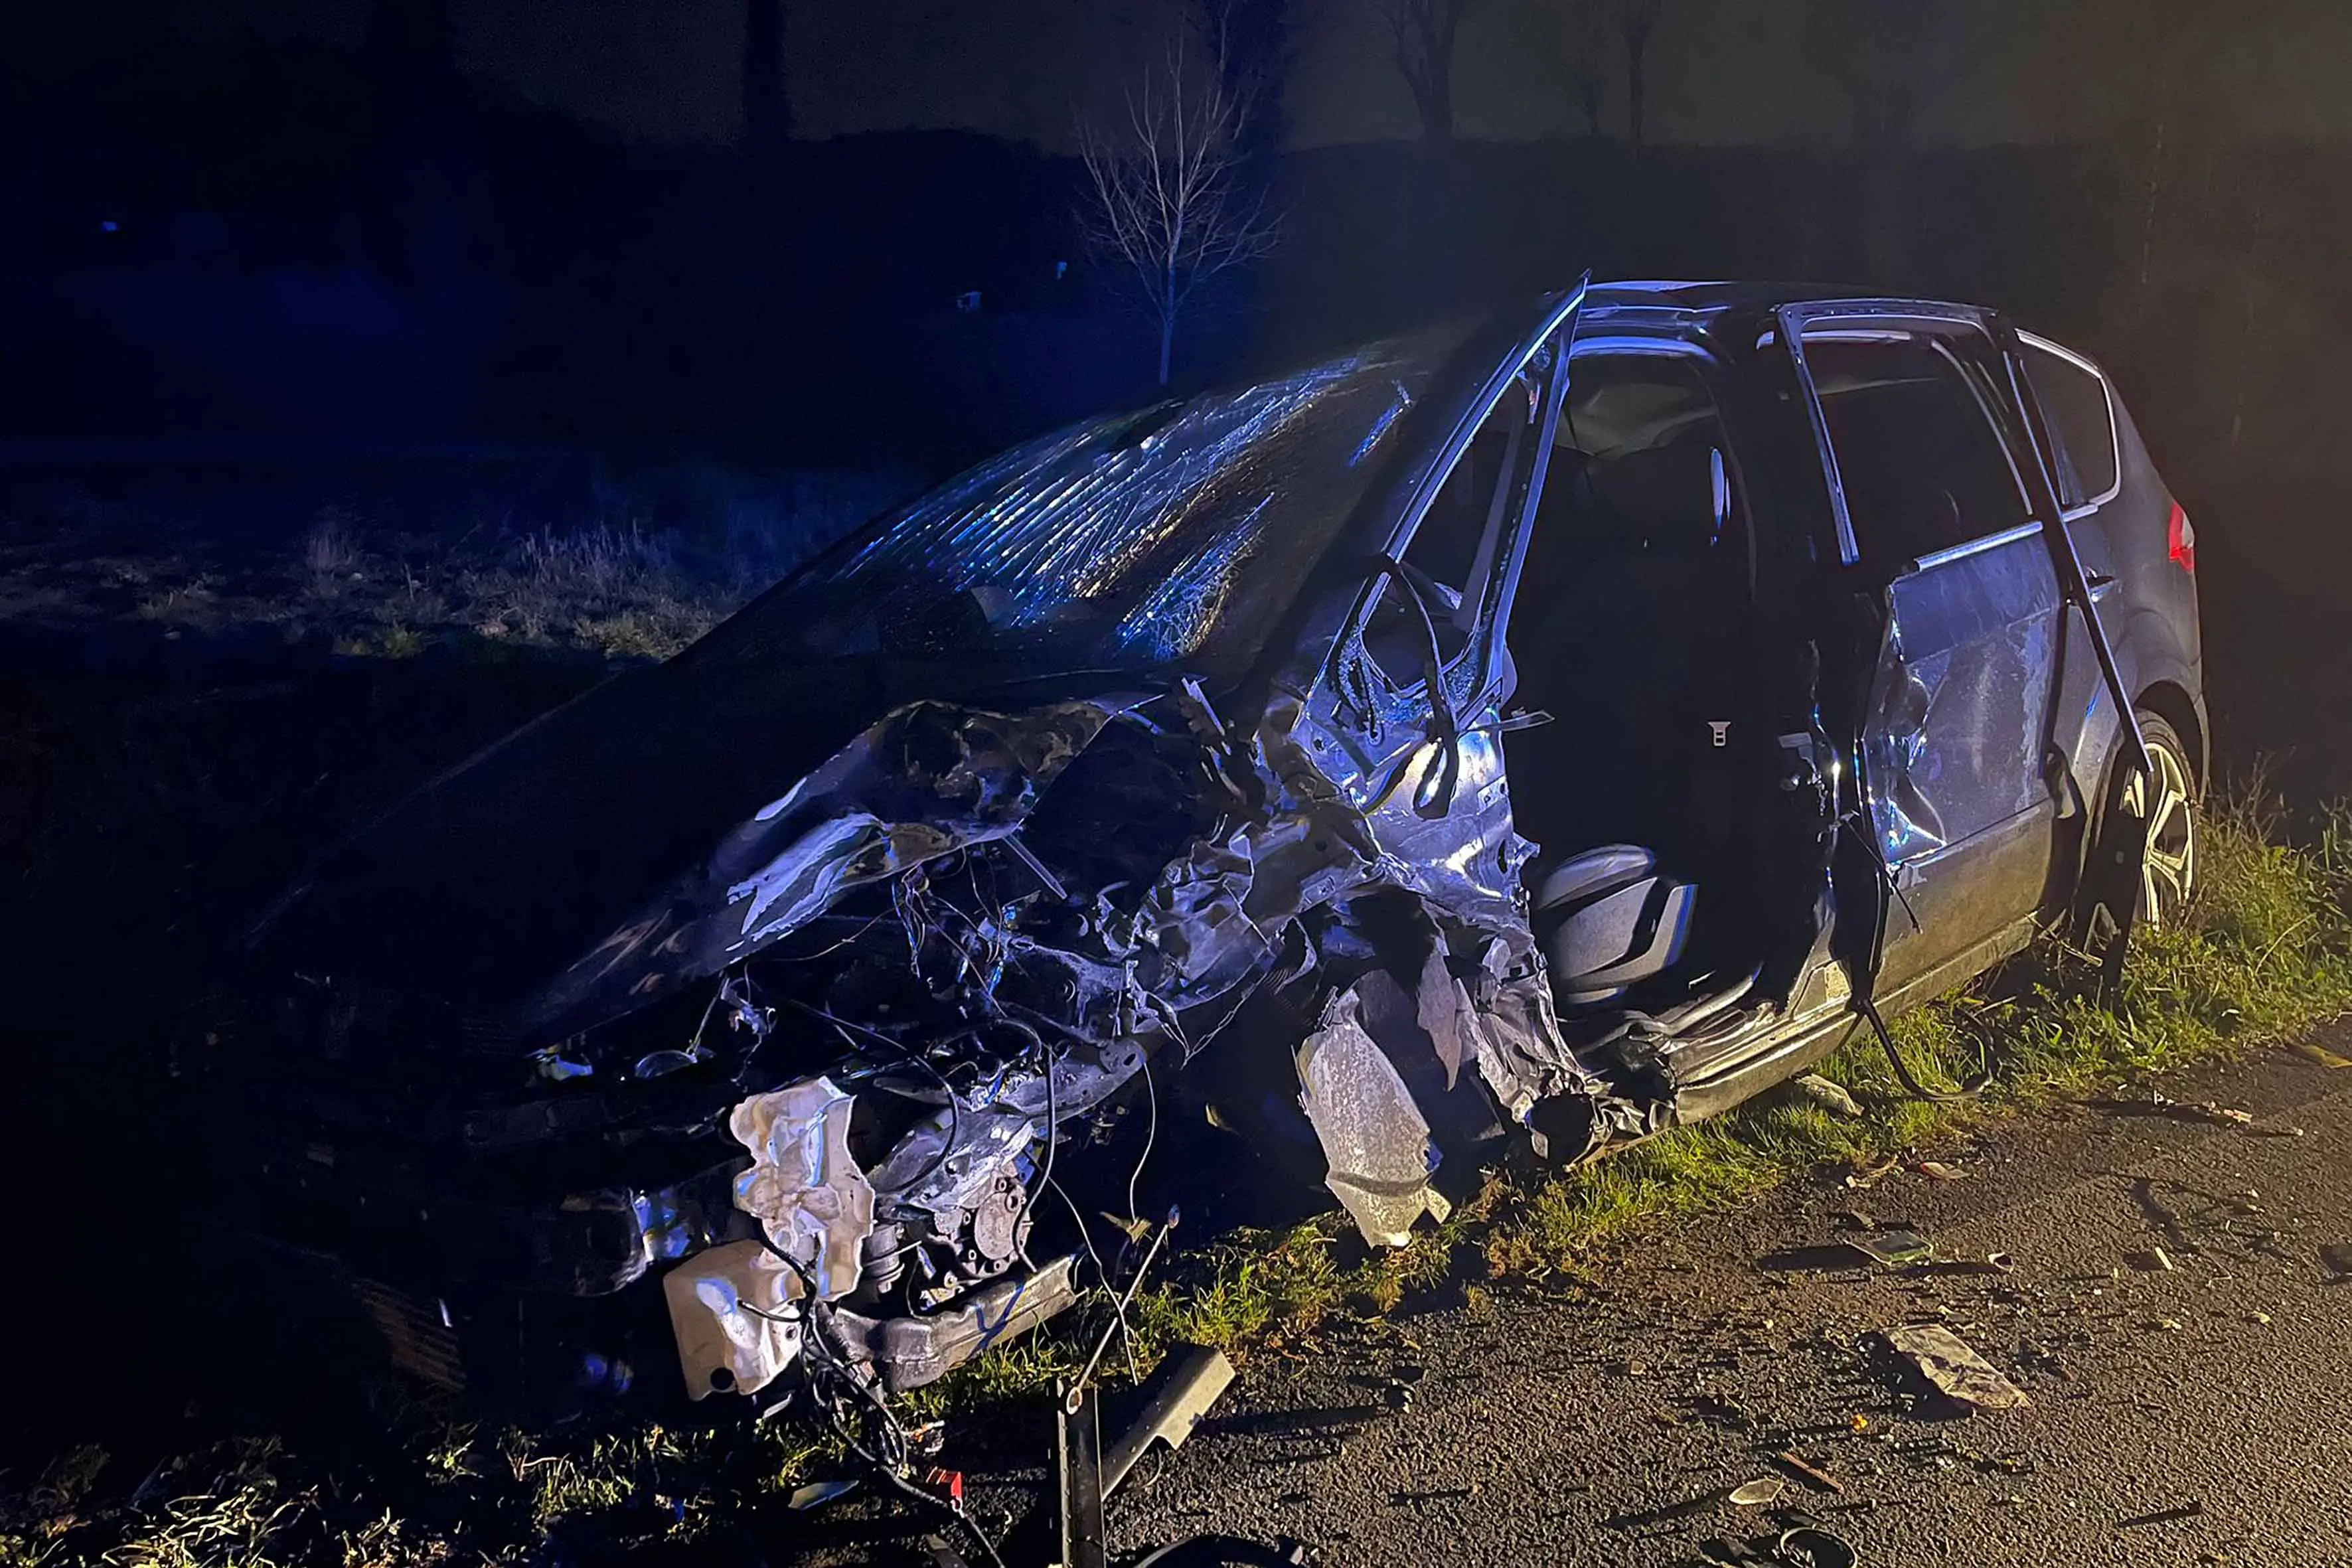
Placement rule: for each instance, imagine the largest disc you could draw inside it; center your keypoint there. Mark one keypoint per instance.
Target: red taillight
(2181, 539)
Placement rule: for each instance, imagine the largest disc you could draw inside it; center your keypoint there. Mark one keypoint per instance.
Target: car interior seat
(1607, 920)
(1634, 634)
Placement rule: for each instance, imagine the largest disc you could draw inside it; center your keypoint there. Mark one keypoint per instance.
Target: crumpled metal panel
(926, 779)
(1956, 742)
(803, 1187)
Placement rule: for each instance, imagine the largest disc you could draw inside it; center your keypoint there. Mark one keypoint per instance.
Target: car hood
(481, 887)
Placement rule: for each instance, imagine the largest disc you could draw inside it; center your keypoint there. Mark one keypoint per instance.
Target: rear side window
(1924, 469)
(2075, 397)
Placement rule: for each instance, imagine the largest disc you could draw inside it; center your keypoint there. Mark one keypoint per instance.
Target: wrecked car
(1526, 733)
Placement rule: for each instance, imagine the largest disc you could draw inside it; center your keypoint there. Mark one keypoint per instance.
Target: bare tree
(1579, 47)
(1637, 21)
(1163, 186)
(1871, 53)
(1423, 32)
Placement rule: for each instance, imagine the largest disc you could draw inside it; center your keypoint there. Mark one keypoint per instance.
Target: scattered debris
(1803, 1546)
(1938, 1170)
(2154, 1260)
(2320, 1054)
(2337, 1260)
(1757, 1493)
(1829, 1097)
(1991, 1263)
(1811, 1475)
(816, 1494)
(1197, 1384)
(1895, 1246)
(2186, 1511)
(1945, 1361)
(2179, 1110)
(1871, 1175)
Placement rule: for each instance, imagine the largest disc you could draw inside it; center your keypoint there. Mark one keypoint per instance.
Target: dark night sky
(1724, 71)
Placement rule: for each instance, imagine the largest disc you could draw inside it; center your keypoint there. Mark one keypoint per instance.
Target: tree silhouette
(1423, 32)
(1165, 195)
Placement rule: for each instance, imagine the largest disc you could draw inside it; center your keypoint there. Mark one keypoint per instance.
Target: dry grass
(392, 578)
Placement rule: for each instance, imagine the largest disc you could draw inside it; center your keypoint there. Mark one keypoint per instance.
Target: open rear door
(2112, 870)
(1920, 813)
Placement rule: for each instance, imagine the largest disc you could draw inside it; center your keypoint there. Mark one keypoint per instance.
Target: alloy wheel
(2168, 877)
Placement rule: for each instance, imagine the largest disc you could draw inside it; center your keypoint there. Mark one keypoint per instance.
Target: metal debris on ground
(1811, 1475)
(2154, 1260)
(1196, 1384)
(1942, 1171)
(2186, 1511)
(1952, 1369)
(1894, 1246)
(1829, 1097)
(816, 1494)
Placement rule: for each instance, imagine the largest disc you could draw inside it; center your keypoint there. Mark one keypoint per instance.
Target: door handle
(2099, 583)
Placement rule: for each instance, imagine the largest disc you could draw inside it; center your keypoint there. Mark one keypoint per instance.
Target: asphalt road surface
(2178, 1308)
(2183, 1414)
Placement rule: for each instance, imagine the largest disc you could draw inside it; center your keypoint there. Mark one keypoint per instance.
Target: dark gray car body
(1086, 763)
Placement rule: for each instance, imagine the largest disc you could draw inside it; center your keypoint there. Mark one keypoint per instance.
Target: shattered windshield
(1138, 539)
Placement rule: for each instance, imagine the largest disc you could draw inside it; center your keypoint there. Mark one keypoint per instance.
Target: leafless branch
(1164, 192)
(1422, 33)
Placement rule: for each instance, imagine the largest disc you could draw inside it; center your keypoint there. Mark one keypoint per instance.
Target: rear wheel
(2167, 797)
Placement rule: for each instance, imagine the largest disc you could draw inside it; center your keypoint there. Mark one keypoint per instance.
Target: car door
(1921, 451)
(1414, 688)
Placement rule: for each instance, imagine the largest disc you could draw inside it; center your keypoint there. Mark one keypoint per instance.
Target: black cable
(818, 1341)
(907, 1054)
(1911, 1086)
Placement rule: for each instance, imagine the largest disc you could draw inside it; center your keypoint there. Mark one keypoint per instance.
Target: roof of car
(1725, 294)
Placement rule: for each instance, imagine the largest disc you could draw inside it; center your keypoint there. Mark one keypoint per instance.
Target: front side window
(2074, 399)
(1458, 546)
(1921, 462)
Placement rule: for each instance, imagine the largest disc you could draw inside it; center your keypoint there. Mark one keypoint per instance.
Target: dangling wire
(1911, 1086)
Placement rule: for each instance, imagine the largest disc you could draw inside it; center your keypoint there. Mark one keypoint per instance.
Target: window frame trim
(1891, 321)
(2115, 425)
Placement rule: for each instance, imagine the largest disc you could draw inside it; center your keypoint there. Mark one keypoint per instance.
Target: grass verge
(2265, 953)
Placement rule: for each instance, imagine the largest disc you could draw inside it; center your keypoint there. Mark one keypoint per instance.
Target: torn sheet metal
(804, 1188)
(928, 779)
(1374, 1137)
